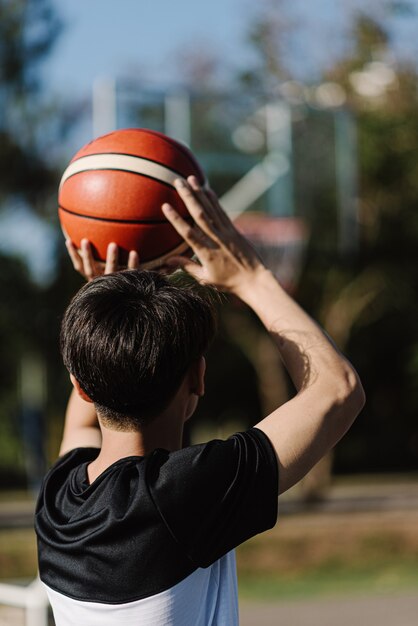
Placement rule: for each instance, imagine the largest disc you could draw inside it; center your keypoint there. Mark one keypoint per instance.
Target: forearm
(308, 354)
(329, 393)
(81, 427)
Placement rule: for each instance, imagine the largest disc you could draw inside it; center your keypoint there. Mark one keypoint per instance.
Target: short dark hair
(129, 339)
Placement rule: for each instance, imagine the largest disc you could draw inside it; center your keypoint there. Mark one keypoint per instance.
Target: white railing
(32, 599)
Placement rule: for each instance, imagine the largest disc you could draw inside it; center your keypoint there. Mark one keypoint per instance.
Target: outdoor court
(384, 610)
(350, 510)
(396, 610)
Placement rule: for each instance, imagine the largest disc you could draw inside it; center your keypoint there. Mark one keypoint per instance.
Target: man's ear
(79, 390)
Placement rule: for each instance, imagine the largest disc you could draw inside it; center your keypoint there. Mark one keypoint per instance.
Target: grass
(329, 581)
(17, 554)
(305, 555)
(15, 495)
(324, 554)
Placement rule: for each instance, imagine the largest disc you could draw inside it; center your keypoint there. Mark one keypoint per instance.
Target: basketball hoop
(280, 242)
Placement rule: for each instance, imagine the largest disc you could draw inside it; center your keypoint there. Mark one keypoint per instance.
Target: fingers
(82, 260)
(200, 194)
(221, 213)
(210, 201)
(199, 208)
(112, 259)
(89, 265)
(184, 263)
(193, 236)
(133, 260)
(74, 256)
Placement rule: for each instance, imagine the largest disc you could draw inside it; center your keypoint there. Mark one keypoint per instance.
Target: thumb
(186, 264)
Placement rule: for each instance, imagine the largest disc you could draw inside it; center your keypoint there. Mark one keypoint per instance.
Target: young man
(133, 529)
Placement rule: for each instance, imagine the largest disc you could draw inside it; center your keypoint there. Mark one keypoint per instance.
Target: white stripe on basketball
(136, 165)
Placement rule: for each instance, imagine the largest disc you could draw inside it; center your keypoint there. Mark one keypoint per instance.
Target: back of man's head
(129, 339)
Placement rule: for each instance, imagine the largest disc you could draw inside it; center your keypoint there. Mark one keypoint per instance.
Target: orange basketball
(113, 189)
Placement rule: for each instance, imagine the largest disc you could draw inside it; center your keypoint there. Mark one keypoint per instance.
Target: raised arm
(81, 428)
(329, 394)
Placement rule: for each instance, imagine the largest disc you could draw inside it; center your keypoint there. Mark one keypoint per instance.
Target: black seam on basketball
(119, 221)
(168, 141)
(119, 169)
(171, 142)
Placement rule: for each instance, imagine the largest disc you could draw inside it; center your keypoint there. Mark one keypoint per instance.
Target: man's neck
(164, 431)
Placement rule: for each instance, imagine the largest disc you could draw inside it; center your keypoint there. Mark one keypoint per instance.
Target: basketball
(113, 189)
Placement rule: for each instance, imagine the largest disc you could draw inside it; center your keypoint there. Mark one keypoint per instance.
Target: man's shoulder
(214, 456)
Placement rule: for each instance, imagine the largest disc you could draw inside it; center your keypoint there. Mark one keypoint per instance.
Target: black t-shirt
(148, 522)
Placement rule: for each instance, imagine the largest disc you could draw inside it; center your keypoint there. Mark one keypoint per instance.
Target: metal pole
(177, 116)
(347, 182)
(33, 384)
(279, 144)
(104, 106)
(254, 184)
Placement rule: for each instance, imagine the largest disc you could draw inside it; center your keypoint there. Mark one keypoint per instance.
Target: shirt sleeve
(214, 496)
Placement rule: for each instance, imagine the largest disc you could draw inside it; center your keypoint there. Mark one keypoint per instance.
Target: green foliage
(367, 302)
(382, 337)
(16, 324)
(28, 31)
(335, 580)
(268, 35)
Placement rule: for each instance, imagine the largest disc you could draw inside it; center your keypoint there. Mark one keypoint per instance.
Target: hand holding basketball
(113, 189)
(227, 259)
(129, 188)
(85, 264)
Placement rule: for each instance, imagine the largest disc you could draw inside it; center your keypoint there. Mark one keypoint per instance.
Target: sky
(144, 38)
(103, 38)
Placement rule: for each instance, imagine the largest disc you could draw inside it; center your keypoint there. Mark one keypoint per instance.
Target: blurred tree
(199, 66)
(268, 36)
(18, 294)
(29, 127)
(372, 305)
(366, 301)
(28, 30)
(245, 379)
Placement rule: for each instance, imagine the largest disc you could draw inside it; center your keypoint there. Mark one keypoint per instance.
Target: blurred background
(304, 116)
